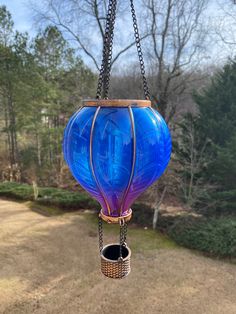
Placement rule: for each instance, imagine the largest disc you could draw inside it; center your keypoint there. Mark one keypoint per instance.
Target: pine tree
(216, 126)
(41, 85)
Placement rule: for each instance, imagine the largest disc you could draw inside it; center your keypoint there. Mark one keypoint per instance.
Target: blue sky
(23, 20)
(21, 14)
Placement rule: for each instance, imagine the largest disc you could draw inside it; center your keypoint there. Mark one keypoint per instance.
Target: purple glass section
(153, 150)
(112, 155)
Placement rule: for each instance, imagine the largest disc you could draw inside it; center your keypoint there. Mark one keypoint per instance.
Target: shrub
(68, 200)
(216, 236)
(16, 191)
(142, 214)
(65, 199)
(48, 196)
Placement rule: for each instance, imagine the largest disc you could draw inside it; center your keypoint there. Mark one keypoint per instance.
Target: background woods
(42, 82)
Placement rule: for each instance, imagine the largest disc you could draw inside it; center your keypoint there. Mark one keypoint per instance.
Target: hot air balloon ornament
(115, 149)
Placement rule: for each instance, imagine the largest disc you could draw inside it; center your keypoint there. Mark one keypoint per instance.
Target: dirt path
(51, 265)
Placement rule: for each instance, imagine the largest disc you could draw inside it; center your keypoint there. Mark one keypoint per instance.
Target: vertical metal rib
(74, 117)
(133, 160)
(153, 111)
(91, 159)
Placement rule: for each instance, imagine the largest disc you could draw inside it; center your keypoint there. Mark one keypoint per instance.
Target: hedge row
(216, 235)
(48, 196)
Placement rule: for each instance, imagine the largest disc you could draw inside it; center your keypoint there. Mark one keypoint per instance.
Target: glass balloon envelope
(116, 149)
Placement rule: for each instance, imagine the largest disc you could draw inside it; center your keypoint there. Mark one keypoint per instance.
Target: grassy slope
(51, 265)
(215, 236)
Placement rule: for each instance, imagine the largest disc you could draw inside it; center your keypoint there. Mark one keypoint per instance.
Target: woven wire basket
(111, 264)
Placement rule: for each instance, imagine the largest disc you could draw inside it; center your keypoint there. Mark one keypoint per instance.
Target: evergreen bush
(216, 236)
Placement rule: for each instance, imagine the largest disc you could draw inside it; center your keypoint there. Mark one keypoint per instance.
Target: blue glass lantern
(116, 149)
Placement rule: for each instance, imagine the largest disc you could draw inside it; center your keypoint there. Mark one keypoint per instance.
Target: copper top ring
(116, 103)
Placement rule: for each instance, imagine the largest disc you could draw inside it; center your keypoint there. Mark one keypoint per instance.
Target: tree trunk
(38, 149)
(156, 209)
(13, 147)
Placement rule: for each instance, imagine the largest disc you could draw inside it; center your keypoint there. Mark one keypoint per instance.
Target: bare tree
(157, 205)
(177, 35)
(191, 162)
(163, 189)
(225, 27)
(83, 21)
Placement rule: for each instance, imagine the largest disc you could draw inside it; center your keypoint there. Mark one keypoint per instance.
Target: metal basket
(112, 265)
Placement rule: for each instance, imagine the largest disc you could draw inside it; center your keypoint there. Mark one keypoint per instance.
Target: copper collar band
(116, 103)
(115, 220)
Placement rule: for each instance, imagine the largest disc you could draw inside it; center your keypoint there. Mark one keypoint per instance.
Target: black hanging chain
(140, 53)
(123, 235)
(104, 75)
(100, 233)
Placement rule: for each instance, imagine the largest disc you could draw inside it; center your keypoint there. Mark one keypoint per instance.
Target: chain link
(139, 49)
(123, 235)
(104, 75)
(100, 233)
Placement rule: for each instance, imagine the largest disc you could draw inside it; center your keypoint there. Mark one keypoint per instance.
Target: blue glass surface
(113, 154)
(104, 169)
(153, 149)
(66, 131)
(76, 151)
